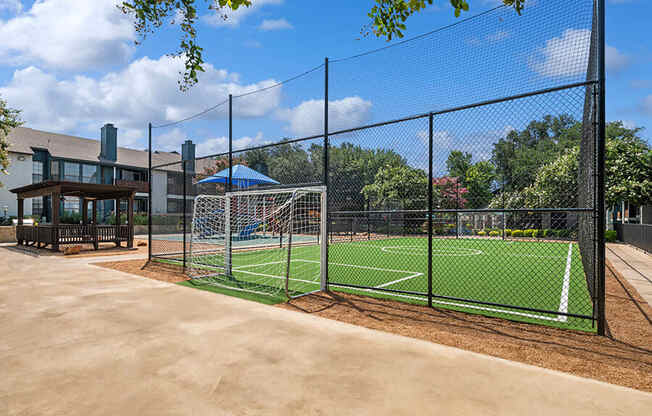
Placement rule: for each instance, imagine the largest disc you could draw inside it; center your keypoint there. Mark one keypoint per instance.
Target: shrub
(547, 233)
(469, 225)
(482, 233)
(536, 233)
(70, 218)
(494, 233)
(508, 232)
(610, 236)
(517, 233)
(528, 233)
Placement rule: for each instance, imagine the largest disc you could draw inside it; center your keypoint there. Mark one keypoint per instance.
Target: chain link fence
(466, 176)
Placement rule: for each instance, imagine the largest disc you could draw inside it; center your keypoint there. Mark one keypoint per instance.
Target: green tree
(458, 163)
(628, 166)
(290, 164)
(478, 181)
(9, 119)
(398, 183)
(387, 20)
(519, 155)
(628, 175)
(257, 160)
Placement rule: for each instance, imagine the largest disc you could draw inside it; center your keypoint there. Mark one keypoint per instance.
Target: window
(54, 170)
(37, 206)
(37, 171)
(175, 183)
(175, 206)
(89, 173)
(107, 175)
(140, 205)
(71, 171)
(134, 175)
(71, 205)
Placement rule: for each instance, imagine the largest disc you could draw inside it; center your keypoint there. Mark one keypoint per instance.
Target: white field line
(399, 280)
(420, 298)
(563, 302)
(461, 305)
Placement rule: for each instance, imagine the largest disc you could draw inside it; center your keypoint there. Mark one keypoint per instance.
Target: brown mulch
(624, 357)
(152, 270)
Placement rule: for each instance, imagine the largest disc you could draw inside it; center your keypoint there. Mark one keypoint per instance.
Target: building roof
(25, 140)
(86, 190)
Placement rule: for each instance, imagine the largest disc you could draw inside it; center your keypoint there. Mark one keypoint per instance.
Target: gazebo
(55, 234)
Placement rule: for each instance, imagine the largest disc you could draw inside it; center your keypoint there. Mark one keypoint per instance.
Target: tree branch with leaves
(9, 119)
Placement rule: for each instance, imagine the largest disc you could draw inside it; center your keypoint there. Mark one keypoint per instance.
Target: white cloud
(252, 44)
(441, 139)
(307, 118)
(14, 6)
(641, 83)
(173, 139)
(275, 24)
(145, 90)
(235, 17)
(91, 34)
(614, 60)
(646, 105)
(567, 55)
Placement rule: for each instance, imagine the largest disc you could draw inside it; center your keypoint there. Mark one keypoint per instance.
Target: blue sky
(71, 66)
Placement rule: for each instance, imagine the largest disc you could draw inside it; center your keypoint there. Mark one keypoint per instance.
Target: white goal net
(269, 242)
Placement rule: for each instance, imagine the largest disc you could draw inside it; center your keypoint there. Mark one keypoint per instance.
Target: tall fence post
(600, 149)
(184, 213)
(229, 186)
(325, 173)
(149, 197)
(430, 173)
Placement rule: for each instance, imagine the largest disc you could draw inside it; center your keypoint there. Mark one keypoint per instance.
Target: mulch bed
(153, 270)
(624, 357)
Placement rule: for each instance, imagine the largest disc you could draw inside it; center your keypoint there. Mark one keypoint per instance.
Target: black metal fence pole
(325, 173)
(600, 149)
(430, 173)
(229, 186)
(184, 213)
(457, 205)
(149, 191)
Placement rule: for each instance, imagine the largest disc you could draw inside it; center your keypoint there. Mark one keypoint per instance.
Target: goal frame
(323, 233)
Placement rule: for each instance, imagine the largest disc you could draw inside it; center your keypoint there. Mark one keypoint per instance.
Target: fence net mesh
(496, 114)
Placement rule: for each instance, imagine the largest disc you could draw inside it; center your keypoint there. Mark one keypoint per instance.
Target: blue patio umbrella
(242, 177)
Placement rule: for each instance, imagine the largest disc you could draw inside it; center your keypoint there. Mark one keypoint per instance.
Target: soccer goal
(268, 242)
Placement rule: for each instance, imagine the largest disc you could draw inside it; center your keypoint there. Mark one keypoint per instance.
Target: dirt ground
(624, 357)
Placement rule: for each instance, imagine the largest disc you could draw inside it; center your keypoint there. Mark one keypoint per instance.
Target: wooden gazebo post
(118, 214)
(21, 213)
(130, 220)
(55, 219)
(84, 203)
(96, 244)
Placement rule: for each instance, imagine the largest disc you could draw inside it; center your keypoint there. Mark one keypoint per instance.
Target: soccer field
(547, 276)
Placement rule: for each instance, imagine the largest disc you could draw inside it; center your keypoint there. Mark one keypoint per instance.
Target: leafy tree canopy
(458, 163)
(628, 175)
(9, 119)
(387, 20)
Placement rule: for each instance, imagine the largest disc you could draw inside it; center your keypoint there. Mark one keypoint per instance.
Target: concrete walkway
(635, 266)
(77, 339)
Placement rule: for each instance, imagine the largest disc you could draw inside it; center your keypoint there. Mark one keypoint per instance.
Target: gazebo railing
(48, 234)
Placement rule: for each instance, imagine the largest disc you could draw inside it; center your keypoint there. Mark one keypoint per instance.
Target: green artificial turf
(533, 274)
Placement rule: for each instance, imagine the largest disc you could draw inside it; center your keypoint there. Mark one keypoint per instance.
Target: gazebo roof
(83, 190)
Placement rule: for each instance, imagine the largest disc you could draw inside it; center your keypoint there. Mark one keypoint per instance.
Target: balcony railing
(140, 186)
